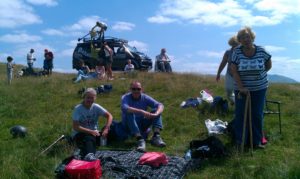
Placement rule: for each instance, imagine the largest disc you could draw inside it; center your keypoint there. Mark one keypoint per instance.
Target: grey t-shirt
(88, 118)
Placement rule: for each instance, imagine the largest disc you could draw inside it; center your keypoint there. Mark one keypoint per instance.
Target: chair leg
(279, 115)
(279, 124)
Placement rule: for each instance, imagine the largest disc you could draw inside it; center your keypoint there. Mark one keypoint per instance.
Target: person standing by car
(229, 81)
(106, 53)
(249, 67)
(30, 60)
(85, 124)
(163, 61)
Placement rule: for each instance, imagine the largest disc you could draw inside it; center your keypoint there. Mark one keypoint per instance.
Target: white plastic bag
(206, 96)
(215, 127)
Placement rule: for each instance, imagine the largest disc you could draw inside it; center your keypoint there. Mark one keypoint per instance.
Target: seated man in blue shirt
(136, 120)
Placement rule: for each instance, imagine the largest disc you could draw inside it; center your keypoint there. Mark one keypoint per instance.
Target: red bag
(154, 159)
(79, 169)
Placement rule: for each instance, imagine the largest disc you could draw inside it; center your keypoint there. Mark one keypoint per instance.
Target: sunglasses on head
(136, 89)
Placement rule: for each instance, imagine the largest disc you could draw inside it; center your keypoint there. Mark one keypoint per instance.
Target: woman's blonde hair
(233, 42)
(245, 30)
(89, 90)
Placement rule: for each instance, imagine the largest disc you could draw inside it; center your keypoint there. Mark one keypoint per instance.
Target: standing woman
(108, 60)
(249, 67)
(229, 81)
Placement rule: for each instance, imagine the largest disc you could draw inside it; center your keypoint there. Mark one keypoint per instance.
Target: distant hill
(280, 79)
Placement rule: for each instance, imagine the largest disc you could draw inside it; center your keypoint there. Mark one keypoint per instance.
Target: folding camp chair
(277, 111)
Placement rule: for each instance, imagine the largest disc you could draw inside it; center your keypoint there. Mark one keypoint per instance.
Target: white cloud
(271, 48)
(78, 29)
(160, 19)
(212, 54)
(15, 13)
(281, 7)
(60, 70)
(72, 43)
(66, 53)
(286, 66)
(139, 45)
(121, 26)
(43, 2)
(296, 41)
(54, 32)
(19, 38)
(84, 24)
(3, 57)
(182, 65)
(227, 12)
(21, 51)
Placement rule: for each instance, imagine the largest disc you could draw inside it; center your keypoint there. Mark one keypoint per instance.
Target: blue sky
(194, 32)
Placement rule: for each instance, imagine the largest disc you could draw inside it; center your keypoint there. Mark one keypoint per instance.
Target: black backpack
(219, 106)
(211, 147)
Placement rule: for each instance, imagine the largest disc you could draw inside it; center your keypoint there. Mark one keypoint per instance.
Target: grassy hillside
(44, 106)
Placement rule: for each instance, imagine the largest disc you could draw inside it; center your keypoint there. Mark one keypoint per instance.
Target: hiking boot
(157, 141)
(259, 146)
(90, 157)
(141, 145)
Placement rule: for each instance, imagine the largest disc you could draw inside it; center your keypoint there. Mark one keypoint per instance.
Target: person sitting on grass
(129, 67)
(136, 120)
(84, 72)
(85, 124)
(163, 61)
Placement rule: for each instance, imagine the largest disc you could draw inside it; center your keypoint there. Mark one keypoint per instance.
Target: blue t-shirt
(88, 118)
(143, 103)
(252, 69)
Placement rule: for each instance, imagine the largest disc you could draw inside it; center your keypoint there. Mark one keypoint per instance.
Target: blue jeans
(165, 66)
(133, 125)
(30, 65)
(257, 106)
(82, 76)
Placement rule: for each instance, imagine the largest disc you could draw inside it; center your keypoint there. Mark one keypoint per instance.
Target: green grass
(44, 105)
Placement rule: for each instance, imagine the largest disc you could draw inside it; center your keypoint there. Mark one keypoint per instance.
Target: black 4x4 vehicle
(122, 51)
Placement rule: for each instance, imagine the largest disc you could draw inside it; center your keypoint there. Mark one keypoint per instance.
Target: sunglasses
(136, 89)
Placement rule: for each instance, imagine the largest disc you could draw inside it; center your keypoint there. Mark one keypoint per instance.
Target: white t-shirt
(30, 58)
(88, 118)
(129, 67)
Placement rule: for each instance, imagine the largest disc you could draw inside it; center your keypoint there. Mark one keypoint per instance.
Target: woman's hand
(243, 91)
(105, 131)
(95, 133)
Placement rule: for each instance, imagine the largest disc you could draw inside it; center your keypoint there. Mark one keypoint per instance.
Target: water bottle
(103, 141)
(188, 155)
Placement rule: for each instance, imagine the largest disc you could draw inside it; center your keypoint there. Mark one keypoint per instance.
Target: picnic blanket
(124, 164)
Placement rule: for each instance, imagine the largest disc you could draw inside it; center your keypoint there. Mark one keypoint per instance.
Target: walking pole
(244, 124)
(250, 122)
(248, 110)
(59, 139)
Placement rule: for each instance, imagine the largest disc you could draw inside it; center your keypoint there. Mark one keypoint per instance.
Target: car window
(131, 49)
(115, 49)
